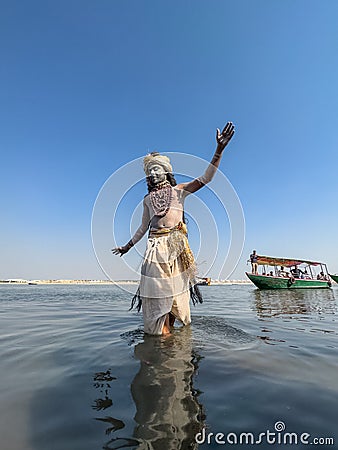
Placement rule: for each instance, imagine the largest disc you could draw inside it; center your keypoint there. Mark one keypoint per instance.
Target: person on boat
(307, 276)
(321, 276)
(304, 275)
(254, 262)
(168, 270)
(296, 272)
(283, 273)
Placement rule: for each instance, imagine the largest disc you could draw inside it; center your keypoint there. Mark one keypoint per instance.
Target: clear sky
(87, 86)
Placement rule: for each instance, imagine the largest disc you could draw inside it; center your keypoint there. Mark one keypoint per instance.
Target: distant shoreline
(102, 282)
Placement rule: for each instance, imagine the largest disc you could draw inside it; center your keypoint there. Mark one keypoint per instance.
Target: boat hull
(266, 282)
(334, 278)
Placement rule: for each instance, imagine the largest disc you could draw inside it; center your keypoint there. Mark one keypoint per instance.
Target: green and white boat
(334, 278)
(300, 274)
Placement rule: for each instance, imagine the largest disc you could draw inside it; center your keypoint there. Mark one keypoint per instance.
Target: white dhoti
(167, 277)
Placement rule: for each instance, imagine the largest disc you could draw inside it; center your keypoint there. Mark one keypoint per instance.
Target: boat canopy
(285, 262)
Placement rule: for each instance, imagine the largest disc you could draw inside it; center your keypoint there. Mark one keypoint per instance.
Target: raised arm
(222, 140)
(140, 232)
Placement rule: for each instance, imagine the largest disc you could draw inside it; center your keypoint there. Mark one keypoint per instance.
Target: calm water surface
(77, 372)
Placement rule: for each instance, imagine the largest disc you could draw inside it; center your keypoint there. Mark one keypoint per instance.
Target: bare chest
(174, 211)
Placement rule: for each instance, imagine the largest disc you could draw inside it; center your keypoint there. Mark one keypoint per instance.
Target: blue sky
(88, 86)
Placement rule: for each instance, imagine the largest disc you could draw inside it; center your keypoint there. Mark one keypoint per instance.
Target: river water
(78, 373)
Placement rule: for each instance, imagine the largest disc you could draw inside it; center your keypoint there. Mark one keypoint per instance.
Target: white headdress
(156, 158)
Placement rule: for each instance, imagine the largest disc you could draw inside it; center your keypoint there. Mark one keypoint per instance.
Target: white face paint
(157, 174)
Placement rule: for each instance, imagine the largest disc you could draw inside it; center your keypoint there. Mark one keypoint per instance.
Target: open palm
(224, 137)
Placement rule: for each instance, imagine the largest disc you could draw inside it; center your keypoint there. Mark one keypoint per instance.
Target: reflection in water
(168, 413)
(272, 303)
(102, 380)
(114, 424)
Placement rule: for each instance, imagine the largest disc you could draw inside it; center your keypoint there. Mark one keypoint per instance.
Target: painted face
(157, 174)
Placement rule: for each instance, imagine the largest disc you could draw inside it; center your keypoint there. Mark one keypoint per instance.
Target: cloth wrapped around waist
(178, 247)
(168, 248)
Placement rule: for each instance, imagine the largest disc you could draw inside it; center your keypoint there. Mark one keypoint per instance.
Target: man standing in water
(168, 270)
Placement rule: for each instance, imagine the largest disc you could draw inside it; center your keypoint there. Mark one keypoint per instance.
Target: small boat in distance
(301, 274)
(203, 281)
(334, 278)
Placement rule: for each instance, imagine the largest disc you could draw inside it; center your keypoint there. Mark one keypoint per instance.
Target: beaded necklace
(160, 198)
